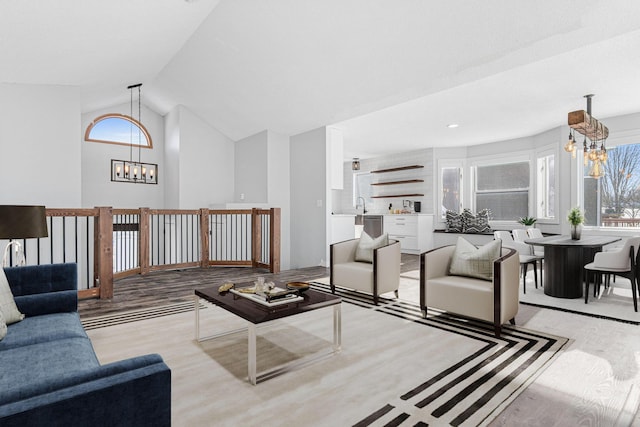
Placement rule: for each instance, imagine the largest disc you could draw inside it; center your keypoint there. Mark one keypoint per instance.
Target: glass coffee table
(255, 313)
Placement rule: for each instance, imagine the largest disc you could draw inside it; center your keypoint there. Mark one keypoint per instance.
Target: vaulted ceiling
(391, 74)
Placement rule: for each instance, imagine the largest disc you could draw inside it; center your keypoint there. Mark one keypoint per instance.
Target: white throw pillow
(475, 262)
(8, 307)
(364, 251)
(3, 327)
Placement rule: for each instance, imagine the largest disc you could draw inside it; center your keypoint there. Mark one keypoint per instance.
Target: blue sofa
(49, 372)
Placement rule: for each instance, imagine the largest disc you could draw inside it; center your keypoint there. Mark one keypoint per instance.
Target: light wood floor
(595, 382)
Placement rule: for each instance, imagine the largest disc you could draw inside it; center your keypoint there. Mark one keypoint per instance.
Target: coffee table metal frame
(256, 314)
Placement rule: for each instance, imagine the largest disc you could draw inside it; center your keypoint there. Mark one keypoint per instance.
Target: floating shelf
(401, 168)
(406, 181)
(397, 195)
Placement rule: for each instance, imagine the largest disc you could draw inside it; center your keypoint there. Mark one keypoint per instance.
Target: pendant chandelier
(134, 171)
(595, 135)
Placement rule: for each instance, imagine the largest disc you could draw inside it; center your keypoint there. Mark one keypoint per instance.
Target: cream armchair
(376, 278)
(493, 301)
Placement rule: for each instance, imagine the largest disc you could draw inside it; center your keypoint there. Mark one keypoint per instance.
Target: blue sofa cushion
(133, 392)
(52, 302)
(44, 289)
(38, 329)
(36, 367)
(36, 279)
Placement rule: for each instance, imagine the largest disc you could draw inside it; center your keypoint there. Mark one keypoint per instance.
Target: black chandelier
(134, 171)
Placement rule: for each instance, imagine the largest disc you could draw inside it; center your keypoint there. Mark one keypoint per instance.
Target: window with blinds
(504, 189)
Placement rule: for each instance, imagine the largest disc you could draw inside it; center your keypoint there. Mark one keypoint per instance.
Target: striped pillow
(478, 223)
(454, 222)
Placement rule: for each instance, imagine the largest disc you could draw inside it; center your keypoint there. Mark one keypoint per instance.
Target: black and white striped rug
(472, 391)
(136, 315)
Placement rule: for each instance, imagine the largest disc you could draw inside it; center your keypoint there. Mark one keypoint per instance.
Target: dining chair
(623, 262)
(520, 235)
(525, 254)
(535, 233)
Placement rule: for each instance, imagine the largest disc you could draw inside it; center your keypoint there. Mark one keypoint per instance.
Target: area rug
(395, 367)
(614, 303)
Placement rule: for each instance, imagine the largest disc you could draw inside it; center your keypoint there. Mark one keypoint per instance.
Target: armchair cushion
(364, 251)
(7, 303)
(474, 262)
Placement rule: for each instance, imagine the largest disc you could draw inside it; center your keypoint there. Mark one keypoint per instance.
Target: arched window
(119, 129)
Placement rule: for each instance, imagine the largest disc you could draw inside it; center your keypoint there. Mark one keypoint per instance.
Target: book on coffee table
(276, 297)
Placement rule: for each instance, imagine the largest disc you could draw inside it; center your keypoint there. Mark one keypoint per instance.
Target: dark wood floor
(168, 287)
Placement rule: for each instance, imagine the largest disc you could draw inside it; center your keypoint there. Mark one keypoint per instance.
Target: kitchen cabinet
(413, 231)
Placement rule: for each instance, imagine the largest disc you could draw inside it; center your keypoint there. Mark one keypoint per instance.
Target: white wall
(262, 175)
(308, 165)
(251, 169)
(171, 174)
(206, 164)
(40, 160)
(97, 187)
(279, 190)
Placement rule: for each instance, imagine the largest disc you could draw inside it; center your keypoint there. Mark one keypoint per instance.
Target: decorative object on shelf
(528, 221)
(595, 136)
(575, 218)
(135, 171)
(21, 222)
(355, 164)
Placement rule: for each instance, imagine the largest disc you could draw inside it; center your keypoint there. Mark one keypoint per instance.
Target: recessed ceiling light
(452, 126)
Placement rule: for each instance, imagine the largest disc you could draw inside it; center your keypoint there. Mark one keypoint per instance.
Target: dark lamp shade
(22, 222)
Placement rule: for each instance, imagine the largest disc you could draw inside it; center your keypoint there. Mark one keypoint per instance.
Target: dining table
(564, 261)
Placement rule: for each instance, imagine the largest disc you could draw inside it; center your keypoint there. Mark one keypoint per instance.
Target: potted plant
(575, 218)
(527, 221)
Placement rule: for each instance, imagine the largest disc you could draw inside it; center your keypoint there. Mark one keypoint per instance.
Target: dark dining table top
(566, 241)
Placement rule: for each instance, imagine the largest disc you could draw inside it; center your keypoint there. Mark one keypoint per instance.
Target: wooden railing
(111, 243)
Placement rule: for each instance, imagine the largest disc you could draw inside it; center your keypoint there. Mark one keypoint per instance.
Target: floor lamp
(21, 222)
